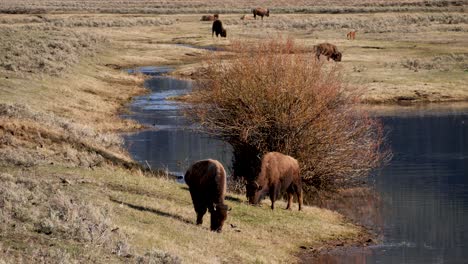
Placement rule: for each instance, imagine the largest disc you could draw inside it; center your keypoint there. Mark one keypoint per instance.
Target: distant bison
(279, 173)
(207, 184)
(260, 12)
(209, 17)
(245, 17)
(218, 29)
(328, 50)
(351, 35)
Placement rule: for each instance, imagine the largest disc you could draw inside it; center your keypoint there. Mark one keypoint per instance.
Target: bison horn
(257, 186)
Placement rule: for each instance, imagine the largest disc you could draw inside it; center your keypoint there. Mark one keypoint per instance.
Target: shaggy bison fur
(218, 29)
(260, 12)
(328, 50)
(207, 184)
(279, 173)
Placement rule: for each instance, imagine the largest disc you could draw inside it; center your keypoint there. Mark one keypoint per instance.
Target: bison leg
(273, 195)
(290, 200)
(200, 213)
(299, 197)
(200, 209)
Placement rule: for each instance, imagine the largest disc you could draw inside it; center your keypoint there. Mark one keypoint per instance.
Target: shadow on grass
(152, 210)
(228, 197)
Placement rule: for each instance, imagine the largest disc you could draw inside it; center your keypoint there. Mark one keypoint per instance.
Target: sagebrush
(274, 97)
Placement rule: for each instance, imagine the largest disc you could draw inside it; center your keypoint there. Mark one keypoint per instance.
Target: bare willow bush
(274, 97)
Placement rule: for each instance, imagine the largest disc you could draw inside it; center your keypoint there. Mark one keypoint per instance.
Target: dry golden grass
(231, 6)
(157, 214)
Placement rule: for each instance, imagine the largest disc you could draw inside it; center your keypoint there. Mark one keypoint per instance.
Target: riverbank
(59, 123)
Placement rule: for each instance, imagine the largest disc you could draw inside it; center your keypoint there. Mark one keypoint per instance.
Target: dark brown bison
(218, 29)
(260, 12)
(207, 184)
(279, 173)
(209, 17)
(328, 50)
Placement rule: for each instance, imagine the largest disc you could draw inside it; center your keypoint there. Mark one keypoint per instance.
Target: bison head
(218, 216)
(223, 33)
(336, 56)
(267, 13)
(253, 192)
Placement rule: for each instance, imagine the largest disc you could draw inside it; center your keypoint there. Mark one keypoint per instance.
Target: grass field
(62, 88)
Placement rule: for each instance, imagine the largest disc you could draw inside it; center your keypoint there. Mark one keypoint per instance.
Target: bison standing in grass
(207, 184)
(260, 12)
(328, 50)
(279, 173)
(218, 29)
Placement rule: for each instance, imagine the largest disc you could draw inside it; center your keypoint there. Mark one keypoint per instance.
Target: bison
(278, 173)
(207, 184)
(209, 17)
(245, 17)
(329, 50)
(218, 29)
(351, 35)
(260, 12)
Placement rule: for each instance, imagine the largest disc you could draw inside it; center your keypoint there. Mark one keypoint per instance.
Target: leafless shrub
(272, 98)
(236, 185)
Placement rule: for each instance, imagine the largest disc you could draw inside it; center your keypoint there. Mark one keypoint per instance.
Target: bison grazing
(328, 50)
(207, 184)
(279, 173)
(351, 35)
(218, 29)
(209, 17)
(260, 12)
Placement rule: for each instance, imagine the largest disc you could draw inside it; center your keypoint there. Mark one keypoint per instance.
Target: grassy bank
(133, 214)
(64, 197)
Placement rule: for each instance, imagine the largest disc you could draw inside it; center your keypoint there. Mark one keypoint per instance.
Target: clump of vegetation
(440, 63)
(51, 51)
(31, 206)
(158, 256)
(270, 97)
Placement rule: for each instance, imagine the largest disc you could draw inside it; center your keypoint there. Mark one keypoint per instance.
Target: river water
(170, 144)
(423, 191)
